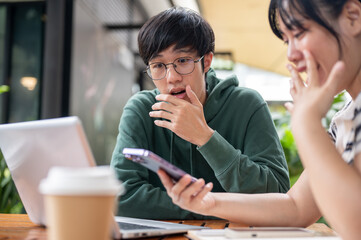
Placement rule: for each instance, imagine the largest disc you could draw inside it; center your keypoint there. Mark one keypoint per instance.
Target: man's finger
(163, 124)
(163, 106)
(192, 96)
(169, 99)
(161, 114)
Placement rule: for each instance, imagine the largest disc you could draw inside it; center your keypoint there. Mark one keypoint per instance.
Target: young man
(210, 128)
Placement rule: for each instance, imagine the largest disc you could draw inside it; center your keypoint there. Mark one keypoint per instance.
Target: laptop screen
(31, 148)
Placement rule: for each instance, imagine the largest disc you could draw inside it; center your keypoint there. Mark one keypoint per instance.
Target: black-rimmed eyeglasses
(182, 65)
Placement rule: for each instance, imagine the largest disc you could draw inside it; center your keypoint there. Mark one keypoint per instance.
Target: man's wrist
(206, 137)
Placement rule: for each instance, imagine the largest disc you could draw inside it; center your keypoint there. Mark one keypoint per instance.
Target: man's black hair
(179, 26)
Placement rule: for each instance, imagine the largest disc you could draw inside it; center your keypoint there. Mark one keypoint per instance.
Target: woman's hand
(192, 196)
(313, 101)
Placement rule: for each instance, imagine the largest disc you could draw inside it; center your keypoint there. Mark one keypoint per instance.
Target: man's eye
(156, 65)
(183, 60)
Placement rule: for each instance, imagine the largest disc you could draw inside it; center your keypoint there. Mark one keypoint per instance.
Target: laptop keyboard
(131, 226)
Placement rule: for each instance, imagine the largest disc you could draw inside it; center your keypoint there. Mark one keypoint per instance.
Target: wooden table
(19, 227)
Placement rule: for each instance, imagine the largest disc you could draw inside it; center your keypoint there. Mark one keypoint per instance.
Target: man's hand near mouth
(186, 119)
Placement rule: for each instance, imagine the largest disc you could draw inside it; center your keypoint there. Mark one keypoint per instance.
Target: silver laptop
(31, 148)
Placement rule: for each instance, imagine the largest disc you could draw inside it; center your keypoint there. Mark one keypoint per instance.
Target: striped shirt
(345, 130)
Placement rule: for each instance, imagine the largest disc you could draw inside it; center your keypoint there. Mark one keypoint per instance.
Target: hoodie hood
(218, 93)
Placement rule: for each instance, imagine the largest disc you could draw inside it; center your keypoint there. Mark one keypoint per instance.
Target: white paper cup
(80, 202)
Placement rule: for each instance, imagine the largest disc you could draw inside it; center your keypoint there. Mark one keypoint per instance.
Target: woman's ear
(351, 17)
(207, 61)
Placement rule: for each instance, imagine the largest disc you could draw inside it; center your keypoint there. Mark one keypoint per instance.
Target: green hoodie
(243, 155)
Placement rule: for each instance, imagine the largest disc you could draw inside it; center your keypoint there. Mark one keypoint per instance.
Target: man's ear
(207, 61)
(351, 17)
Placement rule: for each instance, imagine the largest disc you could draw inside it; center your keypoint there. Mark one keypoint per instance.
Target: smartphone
(268, 232)
(154, 162)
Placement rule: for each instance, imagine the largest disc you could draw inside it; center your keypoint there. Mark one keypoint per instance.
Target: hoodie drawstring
(191, 158)
(171, 147)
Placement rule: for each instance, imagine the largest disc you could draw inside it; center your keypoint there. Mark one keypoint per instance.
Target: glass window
(2, 41)
(2, 56)
(26, 62)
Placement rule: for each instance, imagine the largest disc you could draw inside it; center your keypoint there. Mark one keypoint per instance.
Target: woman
(324, 40)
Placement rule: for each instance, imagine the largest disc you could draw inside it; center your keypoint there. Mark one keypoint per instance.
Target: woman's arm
(336, 185)
(296, 208)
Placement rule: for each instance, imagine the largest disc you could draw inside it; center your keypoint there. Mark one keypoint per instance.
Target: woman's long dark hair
(294, 11)
(315, 10)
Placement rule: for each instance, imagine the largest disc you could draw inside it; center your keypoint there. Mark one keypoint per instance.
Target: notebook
(31, 148)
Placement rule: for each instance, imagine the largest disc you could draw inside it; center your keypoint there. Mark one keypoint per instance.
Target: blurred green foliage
(9, 198)
(4, 88)
(282, 118)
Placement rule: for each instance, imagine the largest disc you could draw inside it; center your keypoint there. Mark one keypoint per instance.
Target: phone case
(153, 162)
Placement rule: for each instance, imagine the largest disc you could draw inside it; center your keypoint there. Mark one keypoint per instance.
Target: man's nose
(172, 75)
